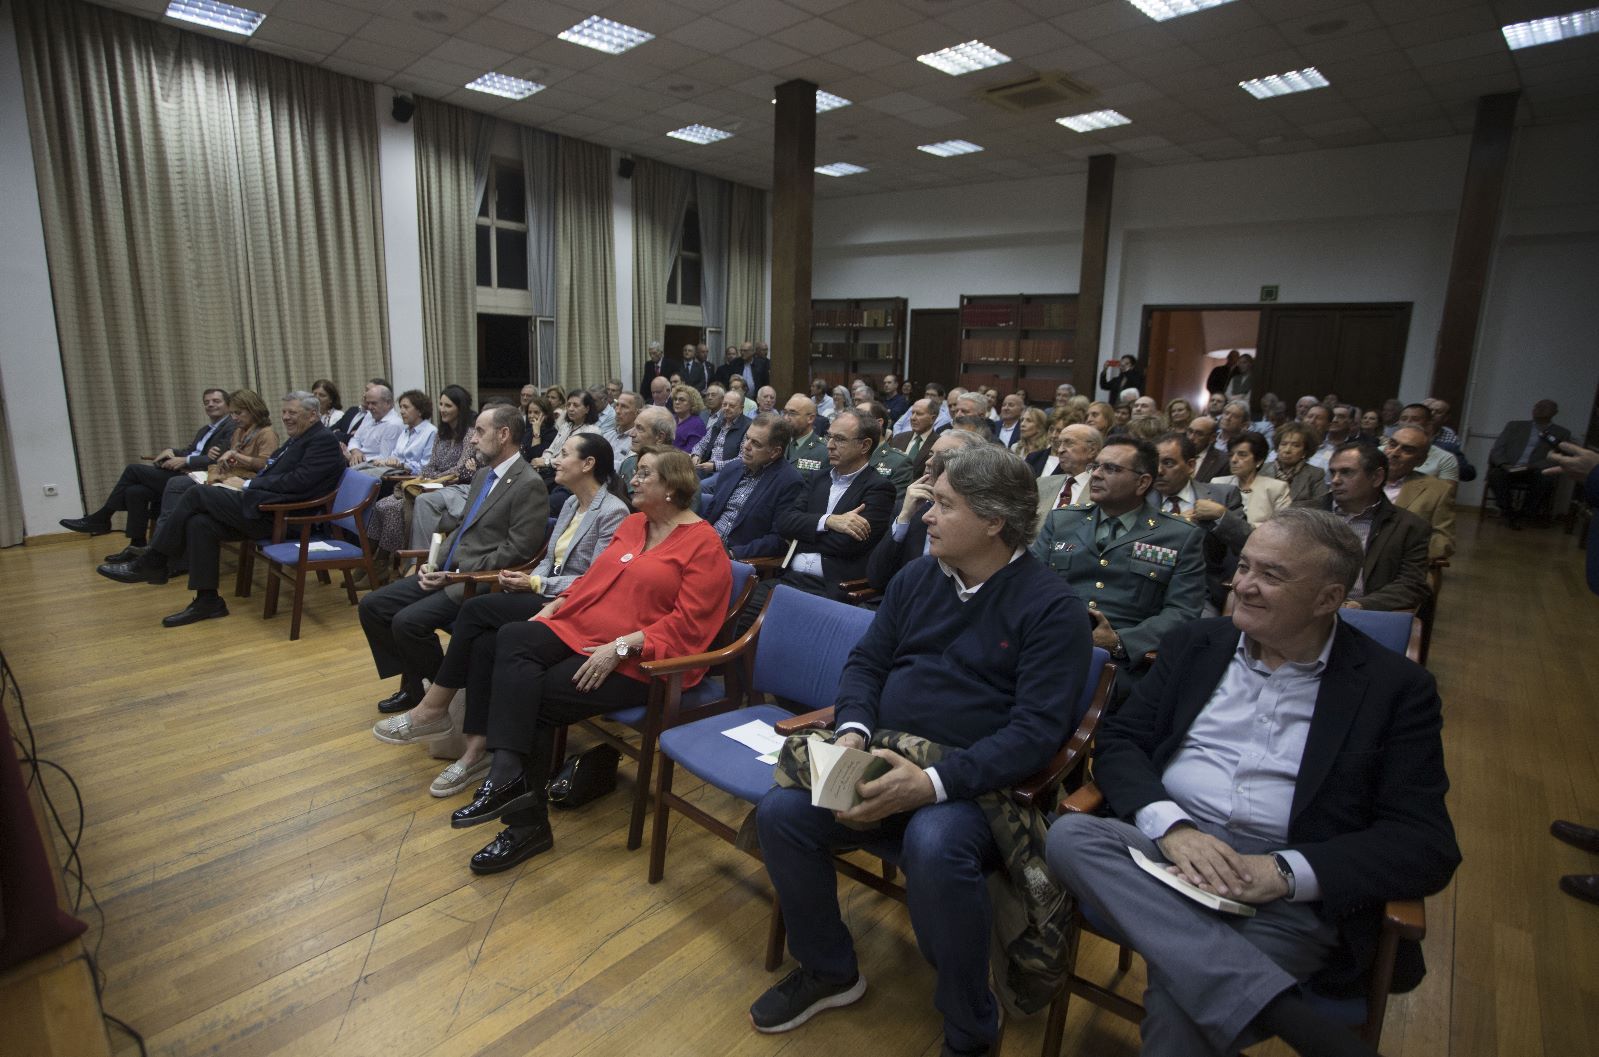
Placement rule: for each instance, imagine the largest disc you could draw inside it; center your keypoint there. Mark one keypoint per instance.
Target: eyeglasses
(834, 438)
(1109, 469)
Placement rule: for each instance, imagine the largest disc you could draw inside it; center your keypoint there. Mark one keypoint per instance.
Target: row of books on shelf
(854, 317)
(1030, 315)
(1009, 350)
(832, 349)
(1048, 315)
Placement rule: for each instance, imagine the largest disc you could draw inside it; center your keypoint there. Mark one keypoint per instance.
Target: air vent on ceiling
(1051, 91)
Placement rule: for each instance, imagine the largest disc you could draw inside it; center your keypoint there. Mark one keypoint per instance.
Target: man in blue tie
(139, 489)
(506, 517)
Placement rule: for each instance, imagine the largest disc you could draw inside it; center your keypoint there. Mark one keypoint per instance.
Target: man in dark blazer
(1520, 456)
(906, 538)
(917, 442)
(836, 520)
(657, 365)
(696, 370)
(140, 487)
(503, 525)
(1277, 758)
(307, 466)
(1218, 510)
(732, 367)
(1395, 541)
(743, 499)
(723, 435)
(757, 365)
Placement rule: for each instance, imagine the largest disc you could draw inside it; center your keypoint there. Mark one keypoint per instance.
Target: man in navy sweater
(977, 647)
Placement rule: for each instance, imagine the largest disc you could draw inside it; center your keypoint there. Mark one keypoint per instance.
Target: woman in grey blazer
(584, 528)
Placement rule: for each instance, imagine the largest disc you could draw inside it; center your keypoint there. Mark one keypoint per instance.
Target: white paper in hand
(836, 770)
(1210, 899)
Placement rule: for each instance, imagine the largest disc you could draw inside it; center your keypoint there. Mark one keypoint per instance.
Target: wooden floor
(276, 881)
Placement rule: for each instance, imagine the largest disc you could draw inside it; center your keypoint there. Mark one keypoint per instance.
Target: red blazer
(677, 593)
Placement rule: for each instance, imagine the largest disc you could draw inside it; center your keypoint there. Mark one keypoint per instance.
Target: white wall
(402, 249)
(30, 358)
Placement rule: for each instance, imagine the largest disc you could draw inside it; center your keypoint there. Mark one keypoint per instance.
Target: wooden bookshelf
(862, 336)
(1016, 342)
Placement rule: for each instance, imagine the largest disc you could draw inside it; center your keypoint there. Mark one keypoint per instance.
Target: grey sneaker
(798, 997)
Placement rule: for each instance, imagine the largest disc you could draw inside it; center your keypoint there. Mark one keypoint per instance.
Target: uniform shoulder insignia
(1169, 516)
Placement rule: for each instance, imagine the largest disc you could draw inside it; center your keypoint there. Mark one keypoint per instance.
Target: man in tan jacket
(1430, 498)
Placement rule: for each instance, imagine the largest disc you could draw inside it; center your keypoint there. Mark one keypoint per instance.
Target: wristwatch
(622, 647)
(1284, 871)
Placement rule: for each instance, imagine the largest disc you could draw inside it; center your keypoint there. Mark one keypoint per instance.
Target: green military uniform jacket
(1149, 581)
(896, 466)
(808, 455)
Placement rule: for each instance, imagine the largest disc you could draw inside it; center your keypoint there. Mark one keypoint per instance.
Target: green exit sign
(1268, 293)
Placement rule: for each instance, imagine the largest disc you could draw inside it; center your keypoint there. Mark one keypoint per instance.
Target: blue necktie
(477, 504)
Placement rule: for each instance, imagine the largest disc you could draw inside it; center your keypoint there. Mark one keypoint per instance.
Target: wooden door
(1356, 351)
(935, 347)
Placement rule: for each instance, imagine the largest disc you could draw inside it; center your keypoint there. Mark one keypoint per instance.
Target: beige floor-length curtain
(585, 265)
(210, 218)
(660, 201)
(11, 526)
(746, 263)
(446, 147)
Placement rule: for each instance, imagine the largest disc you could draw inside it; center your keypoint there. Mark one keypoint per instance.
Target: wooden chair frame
(245, 580)
(1403, 919)
(277, 574)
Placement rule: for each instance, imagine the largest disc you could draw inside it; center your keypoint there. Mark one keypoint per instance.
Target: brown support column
(1091, 287)
(1475, 231)
(793, 207)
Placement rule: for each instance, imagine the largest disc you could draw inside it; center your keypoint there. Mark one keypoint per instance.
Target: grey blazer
(509, 528)
(594, 534)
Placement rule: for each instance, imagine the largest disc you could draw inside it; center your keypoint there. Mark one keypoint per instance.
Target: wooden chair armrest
(1406, 917)
(472, 578)
(1085, 800)
(411, 554)
(821, 719)
(858, 591)
(737, 648)
(1074, 753)
(303, 505)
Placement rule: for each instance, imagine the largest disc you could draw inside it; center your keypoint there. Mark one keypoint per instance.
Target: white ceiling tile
(761, 16)
(819, 7)
(306, 38)
(364, 51)
(1480, 65)
(1101, 20)
(498, 33)
(880, 19)
(933, 117)
(1467, 21)
(469, 53)
(712, 35)
(1035, 39)
(652, 16)
(768, 54)
(981, 20)
(1457, 48)
(319, 13)
(866, 57)
(897, 103)
(444, 72)
(816, 36)
(545, 16)
(401, 36)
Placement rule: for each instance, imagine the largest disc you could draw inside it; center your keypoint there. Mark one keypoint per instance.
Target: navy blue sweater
(995, 677)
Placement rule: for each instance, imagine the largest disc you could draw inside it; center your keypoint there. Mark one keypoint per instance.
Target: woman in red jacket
(661, 589)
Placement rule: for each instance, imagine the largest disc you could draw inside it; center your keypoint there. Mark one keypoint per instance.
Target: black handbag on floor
(585, 776)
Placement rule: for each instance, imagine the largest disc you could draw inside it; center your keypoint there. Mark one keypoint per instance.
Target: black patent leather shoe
(198, 610)
(130, 553)
(1584, 837)
(493, 801)
(87, 525)
(515, 844)
(402, 700)
(142, 570)
(1584, 886)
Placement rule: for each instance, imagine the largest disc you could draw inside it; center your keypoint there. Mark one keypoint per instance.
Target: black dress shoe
(402, 700)
(1584, 886)
(514, 844)
(142, 570)
(130, 553)
(89, 526)
(1584, 837)
(493, 801)
(198, 610)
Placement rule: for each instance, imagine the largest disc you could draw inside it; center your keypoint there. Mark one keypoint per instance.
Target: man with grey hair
(973, 649)
(906, 539)
(307, 466)
(1277, 758)
(628, 405)
(652, 427)
(656, 365)
(380, 432)
(1063, 479)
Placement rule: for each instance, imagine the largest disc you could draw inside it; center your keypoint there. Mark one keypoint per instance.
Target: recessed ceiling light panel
(1162, 10)
(505, 86)
(240, 20)
(700, 134)
(602, 34)
(826, 101)
(949, 148)
(1285, 83)
(840, 168)
(1094, 120)
(1548, 30)
(964, 58)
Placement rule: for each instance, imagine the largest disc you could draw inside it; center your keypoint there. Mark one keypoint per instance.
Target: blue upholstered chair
(1398, 630)
(670, 705)
(342, 550)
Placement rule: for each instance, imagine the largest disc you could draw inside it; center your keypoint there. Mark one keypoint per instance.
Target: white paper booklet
(1194, 892)
(835, 771)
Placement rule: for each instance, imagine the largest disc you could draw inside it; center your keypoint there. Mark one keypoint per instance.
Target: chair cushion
(702, 693)
(701, 749)
(289, 553)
